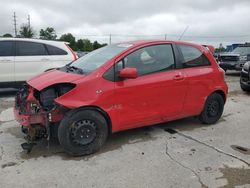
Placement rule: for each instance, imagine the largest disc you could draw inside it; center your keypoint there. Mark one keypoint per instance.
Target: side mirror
(128, 73)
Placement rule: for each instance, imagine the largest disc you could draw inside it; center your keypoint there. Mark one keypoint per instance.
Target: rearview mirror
(128, 73)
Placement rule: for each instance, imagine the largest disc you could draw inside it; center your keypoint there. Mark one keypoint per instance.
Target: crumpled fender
(72, 103)
(78, 97)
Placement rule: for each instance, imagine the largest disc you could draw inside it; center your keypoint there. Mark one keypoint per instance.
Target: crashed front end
(38, 113)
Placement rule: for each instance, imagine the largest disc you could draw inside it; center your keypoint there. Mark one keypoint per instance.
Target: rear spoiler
(210, 48)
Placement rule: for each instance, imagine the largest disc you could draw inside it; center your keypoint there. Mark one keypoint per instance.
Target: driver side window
(150, 59)
(147, 60)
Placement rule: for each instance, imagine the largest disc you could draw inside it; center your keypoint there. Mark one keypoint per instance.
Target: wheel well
(220, 92)
(102, 112)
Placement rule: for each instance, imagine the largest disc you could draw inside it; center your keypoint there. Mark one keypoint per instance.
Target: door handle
(45, 59)
(5, 60)
(179, 77)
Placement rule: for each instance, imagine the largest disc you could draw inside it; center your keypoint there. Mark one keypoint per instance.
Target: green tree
(220, 49)
(88, 46)
(48, 34)
(80, 45)
(96, 45)
(26, 31)
(7, 35)
(69, 38)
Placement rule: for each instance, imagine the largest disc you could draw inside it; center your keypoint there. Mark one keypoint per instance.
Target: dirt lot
(182, 153)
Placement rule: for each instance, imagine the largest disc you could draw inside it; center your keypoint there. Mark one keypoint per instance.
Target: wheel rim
(83, 132)
(213, 108)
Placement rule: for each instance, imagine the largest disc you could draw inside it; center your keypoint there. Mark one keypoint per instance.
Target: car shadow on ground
(115, 141)
(9, 92)
(233, 73)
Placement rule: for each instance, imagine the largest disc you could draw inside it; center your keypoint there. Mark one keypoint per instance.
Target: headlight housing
(47, 96)
(243, 58)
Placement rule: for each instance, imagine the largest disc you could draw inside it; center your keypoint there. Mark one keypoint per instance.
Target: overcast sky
(207, 21)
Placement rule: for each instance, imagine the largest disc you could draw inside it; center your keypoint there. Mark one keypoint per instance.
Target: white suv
(21, 59)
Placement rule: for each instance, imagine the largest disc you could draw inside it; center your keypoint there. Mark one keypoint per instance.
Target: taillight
(73, 53)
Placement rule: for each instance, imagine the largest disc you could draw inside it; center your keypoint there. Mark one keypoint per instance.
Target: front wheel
(82, 132)
(213, 109)
(246, 89)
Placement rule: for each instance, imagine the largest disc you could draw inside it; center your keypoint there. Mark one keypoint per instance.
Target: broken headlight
(47, 96)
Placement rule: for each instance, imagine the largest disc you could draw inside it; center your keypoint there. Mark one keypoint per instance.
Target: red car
(119, 87)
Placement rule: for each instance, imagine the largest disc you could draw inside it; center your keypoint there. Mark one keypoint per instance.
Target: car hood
(229, 54)
(53, 77)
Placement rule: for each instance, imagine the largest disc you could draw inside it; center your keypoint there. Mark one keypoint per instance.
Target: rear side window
(55, 51)
(30, 49)
(192, 57)
(6, 48)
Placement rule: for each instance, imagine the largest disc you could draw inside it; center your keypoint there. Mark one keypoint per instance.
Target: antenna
(183, 32)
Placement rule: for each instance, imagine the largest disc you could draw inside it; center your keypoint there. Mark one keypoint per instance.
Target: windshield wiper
(69, 67)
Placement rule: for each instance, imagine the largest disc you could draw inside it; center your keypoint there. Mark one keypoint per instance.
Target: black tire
(82, 132)
(213, 109)
(246, 89)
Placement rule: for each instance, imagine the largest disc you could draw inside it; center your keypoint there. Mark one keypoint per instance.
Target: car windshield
(242, 50)
(97, 58)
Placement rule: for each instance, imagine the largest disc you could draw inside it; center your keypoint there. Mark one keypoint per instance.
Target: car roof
(148, 42)
(31, 40)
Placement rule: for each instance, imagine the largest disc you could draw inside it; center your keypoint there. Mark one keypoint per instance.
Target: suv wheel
(82, 132)
(213, 109)
(246, 89)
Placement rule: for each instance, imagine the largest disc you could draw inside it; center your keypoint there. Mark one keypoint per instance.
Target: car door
(156, 94)
(199, 77)
(7, 61)
(30, 59)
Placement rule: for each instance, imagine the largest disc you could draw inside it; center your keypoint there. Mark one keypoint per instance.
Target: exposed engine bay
(38, 113)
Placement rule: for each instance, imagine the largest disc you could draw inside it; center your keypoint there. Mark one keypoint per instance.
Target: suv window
(30, 48)
(150, 59)
(6, 48)
(55, 51)
(193, 57)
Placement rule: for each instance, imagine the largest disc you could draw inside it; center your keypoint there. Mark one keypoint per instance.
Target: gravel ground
(181, 153)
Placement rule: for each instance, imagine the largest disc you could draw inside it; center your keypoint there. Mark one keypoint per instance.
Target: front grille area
(229, 58)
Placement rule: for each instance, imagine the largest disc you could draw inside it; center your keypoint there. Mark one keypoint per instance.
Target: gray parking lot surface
(183, 153)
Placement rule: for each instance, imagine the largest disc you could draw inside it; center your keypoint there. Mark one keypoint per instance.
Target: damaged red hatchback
(119, 87)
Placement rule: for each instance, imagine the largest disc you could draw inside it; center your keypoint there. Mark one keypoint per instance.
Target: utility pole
(165, 36)
(15, 29)
(29, 21)
(109, 39)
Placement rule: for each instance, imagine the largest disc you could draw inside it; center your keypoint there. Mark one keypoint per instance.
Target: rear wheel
(82, 132)
(213, 109)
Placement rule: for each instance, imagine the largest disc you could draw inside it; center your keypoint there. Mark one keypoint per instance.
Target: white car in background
(21, 59)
